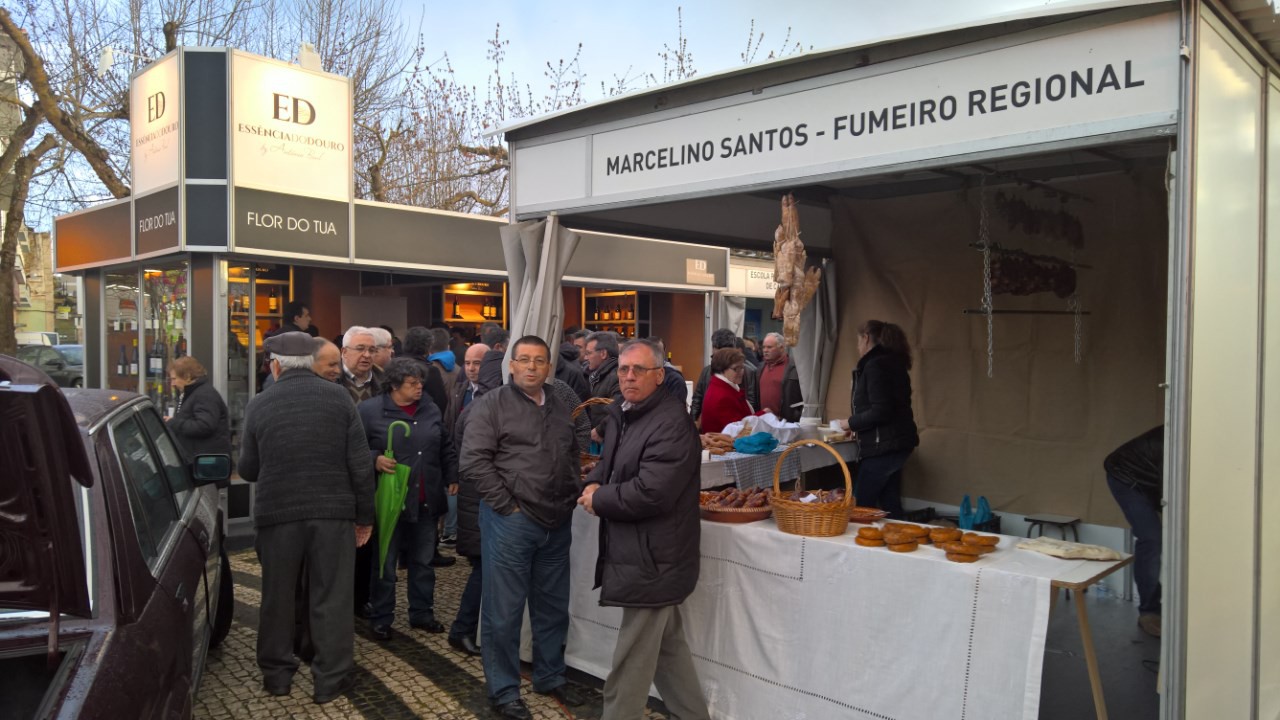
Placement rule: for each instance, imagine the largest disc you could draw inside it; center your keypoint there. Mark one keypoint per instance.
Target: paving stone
(415, 675)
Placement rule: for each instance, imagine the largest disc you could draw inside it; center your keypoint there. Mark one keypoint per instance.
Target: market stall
(783, 626)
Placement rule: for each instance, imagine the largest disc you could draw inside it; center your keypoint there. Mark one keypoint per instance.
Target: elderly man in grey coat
(645, 492)
(304, 446)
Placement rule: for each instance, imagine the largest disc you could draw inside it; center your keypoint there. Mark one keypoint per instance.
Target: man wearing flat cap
(304, 446)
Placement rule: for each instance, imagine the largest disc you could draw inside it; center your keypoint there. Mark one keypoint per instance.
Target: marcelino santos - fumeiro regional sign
(985, 97)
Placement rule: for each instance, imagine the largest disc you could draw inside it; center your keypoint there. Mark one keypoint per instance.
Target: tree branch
(22, 171)
(23, 133)
(68, 126)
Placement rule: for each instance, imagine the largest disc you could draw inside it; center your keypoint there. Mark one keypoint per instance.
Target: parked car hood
(41, 450)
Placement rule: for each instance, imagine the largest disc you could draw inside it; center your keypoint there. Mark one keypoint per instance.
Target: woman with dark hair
(882, 415)
(726, 399)
(201, 422)
(432, 470)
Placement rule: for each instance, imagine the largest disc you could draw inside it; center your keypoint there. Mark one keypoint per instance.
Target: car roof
(92, 406)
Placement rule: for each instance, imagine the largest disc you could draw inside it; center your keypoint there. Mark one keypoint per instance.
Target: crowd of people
(493, 458)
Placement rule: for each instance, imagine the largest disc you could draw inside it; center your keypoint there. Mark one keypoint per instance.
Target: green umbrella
(388, 499)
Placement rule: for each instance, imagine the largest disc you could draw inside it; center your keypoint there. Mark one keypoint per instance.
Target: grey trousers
(652, 649)
(328, 550)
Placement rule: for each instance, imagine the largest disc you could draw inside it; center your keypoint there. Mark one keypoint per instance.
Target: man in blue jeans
(1135, 474)
(520, 452)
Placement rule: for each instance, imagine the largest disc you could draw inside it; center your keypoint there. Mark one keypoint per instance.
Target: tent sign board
(1116, 78)
(155, 137)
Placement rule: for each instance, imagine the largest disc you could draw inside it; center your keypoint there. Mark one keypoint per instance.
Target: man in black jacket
(602, 364)
(520, 452)
(1135, 474)
(645, 492)
(570, 372)
(304, 446)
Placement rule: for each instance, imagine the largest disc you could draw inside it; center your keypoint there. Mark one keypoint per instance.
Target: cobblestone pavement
(415, 675)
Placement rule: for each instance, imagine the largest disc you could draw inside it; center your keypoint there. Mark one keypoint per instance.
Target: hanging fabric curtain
(537, 252)
(816, 351)
(733, 314)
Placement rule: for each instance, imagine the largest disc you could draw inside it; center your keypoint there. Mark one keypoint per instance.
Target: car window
(73, 354)
(48, 357)
(175, 470)
(152, 502)
(29, 355)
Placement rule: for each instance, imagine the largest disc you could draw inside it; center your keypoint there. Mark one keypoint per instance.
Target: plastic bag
(761, 443)
(785, 432)
(969, 517)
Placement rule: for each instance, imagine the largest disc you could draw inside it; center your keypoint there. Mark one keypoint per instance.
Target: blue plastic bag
(760, 443)
(970, 518)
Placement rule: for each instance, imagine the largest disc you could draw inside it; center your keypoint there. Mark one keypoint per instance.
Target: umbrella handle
(391, 431)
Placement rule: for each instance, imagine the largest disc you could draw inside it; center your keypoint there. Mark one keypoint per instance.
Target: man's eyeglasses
(363, 350)
(531, 362)
(637, 370)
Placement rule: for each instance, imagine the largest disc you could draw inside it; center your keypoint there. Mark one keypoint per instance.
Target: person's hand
(844, 425)
(453, 488)
(765, 411)
(595, 436)
(363, 532)
(585, 499)
(385, 464)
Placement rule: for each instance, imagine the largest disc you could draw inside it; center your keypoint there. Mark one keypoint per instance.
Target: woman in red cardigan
(726, 400)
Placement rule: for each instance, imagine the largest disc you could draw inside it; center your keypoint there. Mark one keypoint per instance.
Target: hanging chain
(984, 239)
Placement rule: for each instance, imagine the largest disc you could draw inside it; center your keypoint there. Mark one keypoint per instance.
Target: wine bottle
(595, 311)
(155, 358)
(630, 313)
(244, 302)
(122, 364)
(133, 362)
(272, 300)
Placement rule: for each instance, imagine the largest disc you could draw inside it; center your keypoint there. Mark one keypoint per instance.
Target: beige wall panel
(1032, 438)
(1224, 391)
(1269, 563)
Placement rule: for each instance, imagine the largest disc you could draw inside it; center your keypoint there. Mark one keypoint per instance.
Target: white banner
(1100, 80)
(155, 140)
(290, 129)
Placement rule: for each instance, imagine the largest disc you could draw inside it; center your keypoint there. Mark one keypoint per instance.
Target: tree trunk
(22, 171)
(68, 126)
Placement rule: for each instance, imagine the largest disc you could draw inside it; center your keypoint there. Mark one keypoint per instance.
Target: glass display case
(121, 319)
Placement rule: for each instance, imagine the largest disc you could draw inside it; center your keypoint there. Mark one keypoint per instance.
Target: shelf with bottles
(475, 302)
(625, 312)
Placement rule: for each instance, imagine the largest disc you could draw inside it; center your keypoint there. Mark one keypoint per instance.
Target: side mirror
(55, 364)
(211, 469)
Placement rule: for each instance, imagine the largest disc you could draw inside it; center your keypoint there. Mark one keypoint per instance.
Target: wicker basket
(593, 401)
(812, 519)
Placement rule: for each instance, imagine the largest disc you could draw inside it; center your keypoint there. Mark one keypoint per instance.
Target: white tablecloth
(783, 626)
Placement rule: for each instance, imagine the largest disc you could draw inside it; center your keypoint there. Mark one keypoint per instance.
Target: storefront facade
(215, 242)
(1108, 172)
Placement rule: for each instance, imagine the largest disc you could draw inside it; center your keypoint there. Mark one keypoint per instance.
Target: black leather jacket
(882, 414)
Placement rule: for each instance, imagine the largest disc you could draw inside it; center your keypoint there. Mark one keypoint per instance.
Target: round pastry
(958, 557)
(898, 538)
(957, 548)
(940, 535)
(925, 540)
(867, 542)
(870, 533)
(984, 549)
(916, 530)
(897, 527)
(904, 547)
(976, 539)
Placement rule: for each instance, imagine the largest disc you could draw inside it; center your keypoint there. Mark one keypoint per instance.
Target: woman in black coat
(201, 422)
(882, 415)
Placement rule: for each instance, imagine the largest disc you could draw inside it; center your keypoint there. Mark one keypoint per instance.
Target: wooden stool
(1062, 522)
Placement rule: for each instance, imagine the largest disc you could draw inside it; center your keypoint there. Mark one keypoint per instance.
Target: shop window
(164, 312)
(121, 319)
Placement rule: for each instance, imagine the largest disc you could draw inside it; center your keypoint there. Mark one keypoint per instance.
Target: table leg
(1091, 658)
(1053, 599)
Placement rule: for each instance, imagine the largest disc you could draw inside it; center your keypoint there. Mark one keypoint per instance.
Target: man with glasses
(358, 374)
(520, 452)
(384, 347)
(645, 492)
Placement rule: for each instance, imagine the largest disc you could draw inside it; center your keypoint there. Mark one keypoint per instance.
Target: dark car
(114, 581)
(63, 363)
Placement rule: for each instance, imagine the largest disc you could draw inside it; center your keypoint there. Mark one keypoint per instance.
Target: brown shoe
(1150, 624)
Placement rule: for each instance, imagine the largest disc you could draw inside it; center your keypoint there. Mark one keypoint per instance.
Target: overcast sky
(626, 37)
